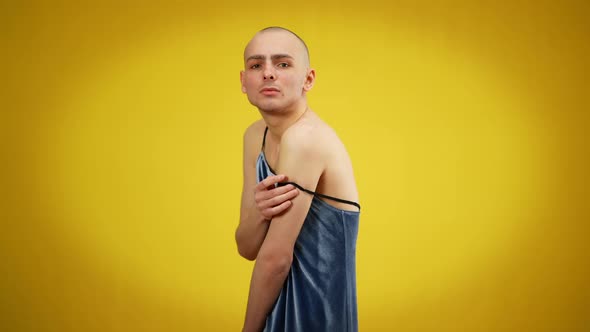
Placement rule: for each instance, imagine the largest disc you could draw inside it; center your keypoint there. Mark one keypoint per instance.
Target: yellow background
(466, 123)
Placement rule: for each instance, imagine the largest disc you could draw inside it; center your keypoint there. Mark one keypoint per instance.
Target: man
(300, 225)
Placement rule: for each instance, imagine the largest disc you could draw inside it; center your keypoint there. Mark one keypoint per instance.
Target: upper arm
(300, 160)
(250, 150)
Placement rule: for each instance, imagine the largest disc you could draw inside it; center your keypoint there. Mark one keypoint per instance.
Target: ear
(309, 80)
(242, 81)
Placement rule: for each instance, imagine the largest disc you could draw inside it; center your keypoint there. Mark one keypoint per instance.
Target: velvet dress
(319, 293)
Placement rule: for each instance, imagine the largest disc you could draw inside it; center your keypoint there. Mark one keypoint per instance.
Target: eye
(283, 65)
(255, 66)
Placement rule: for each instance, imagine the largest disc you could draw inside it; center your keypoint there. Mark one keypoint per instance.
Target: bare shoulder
(253, 137)
(322, 146)
(254, 130)
(312, 135)
(252, 143)
(311, 131)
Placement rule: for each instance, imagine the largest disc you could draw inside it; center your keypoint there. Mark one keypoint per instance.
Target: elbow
(247, 254)
(275, 263)
(244, 251)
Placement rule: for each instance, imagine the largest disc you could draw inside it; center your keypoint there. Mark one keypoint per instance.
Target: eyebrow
(273, 57)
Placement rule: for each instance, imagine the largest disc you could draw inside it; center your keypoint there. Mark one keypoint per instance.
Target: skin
(276, 79)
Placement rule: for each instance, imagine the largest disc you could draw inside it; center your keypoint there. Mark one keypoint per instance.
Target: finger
(262, 196)
(265, 194)
(279, 190)
(269, 181)
(280, 208)
(278, 200)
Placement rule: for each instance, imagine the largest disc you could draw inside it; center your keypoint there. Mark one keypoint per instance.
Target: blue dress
(319, 294)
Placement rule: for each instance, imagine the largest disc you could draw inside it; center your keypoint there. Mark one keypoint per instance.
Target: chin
(270, 110)
(269, 107)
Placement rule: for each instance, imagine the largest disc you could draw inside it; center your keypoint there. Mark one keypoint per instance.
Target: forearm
(268, 278)
(251, 232)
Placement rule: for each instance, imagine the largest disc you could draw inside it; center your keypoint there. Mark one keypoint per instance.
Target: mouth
(269, 91)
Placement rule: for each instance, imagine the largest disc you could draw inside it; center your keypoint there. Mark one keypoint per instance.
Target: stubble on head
(302, 47)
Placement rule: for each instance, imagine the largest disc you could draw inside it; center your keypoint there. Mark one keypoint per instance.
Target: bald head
(301, 46)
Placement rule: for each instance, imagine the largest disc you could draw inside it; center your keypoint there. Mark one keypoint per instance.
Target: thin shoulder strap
(264, 138)
(306, 190)
(321, 195)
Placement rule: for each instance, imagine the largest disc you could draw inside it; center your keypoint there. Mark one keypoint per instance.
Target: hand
(272, 201)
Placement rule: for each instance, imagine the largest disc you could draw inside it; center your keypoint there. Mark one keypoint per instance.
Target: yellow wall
(121, 167)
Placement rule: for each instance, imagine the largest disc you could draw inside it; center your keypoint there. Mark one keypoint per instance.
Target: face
(276, 75)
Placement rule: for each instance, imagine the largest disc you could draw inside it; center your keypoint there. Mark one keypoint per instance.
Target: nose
(269, 73)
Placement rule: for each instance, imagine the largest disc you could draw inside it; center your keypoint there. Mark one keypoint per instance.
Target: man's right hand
(272, 201)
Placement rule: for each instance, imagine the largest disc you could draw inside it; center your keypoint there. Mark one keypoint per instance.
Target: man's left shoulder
(307, 137)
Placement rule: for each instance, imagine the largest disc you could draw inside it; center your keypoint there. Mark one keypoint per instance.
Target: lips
(269, 91)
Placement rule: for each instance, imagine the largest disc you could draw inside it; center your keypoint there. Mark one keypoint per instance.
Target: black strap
(320, 195)
(303, 189)
(264, 139)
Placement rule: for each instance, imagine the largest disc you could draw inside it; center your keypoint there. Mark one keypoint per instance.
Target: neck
(279, 122)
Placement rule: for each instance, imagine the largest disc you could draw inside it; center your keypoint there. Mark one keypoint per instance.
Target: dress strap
(264, 139)
(321, 195)
(303, 189)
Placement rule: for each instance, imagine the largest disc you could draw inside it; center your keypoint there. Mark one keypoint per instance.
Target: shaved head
(291, 32)
(281, 29)
(277, 74)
